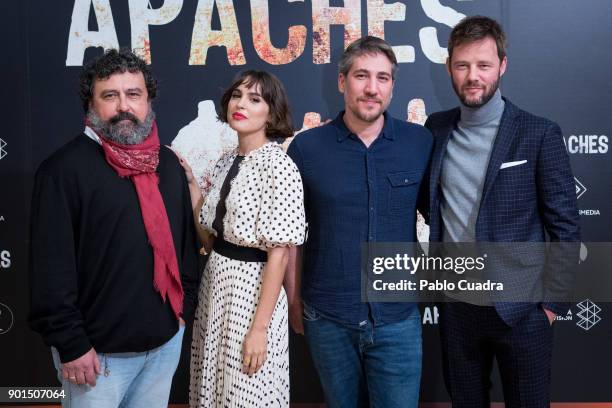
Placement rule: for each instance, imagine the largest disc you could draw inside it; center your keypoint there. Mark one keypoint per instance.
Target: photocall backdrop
(559, 66)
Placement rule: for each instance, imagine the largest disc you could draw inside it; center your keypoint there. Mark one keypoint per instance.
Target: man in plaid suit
(498, 174)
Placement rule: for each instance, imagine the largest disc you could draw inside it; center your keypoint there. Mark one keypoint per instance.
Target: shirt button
(405, 180)
(371, 208)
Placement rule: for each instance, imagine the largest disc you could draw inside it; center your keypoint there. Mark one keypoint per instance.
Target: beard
(123, 128)
(368, 116)
(482, 100)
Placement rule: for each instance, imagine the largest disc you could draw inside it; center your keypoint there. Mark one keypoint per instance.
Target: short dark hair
(111, 62)
(476, 28)
(273, 92)
(366, 45)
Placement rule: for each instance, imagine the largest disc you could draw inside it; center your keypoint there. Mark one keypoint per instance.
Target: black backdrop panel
(559, 67)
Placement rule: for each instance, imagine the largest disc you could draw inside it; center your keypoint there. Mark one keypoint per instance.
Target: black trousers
(472, 336)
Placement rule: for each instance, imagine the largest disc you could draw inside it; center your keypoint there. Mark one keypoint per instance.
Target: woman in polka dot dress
(254, 211)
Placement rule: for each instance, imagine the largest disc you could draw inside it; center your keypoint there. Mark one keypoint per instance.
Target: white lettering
(589, 212)
(399, 286)
(80, 38)
(5, 259)
(378, 13)
(323, 16)
(377, 265)
(429, 35)
(587, 144)
(142, 16)
(205, 37)
(260, 24)
(430, 315)
(480, 286)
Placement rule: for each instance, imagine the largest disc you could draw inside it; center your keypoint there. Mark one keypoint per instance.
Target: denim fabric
(355, 194)
(131, 380)
(377, 366)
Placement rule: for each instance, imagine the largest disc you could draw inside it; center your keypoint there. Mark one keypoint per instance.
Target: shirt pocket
(403, 190)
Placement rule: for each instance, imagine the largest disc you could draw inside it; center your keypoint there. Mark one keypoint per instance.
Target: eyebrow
(112, 90)
(248, 93)
(477, 62)
(365, 71)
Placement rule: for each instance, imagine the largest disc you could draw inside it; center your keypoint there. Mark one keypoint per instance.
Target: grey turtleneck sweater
(464, 168)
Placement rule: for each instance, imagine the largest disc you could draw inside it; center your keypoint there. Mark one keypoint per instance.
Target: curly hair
(273, 92)
(111, 62)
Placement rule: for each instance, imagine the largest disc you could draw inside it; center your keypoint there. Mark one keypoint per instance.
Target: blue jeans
(375, 366)
(127, 379)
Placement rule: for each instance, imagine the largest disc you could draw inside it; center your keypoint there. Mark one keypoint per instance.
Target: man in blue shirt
(362, 174)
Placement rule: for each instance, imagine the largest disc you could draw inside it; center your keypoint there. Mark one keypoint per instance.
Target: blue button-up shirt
(356, 194)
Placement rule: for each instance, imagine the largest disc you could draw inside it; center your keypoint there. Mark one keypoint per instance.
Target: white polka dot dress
(264, 208)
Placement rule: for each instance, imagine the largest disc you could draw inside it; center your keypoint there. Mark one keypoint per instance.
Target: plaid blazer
(528, 195)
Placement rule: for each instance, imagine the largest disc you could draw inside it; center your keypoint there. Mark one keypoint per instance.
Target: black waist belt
(239, 253)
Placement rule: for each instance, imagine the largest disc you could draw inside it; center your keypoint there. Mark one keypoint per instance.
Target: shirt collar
(342, 131)
(92, 135)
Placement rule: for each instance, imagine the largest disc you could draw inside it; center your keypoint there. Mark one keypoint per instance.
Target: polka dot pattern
(264, 209)
(265, 206)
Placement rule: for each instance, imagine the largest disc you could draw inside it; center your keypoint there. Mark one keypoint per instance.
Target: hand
(188, 172)
(83, 370)
(296, 317)
(254, 350)
(550, 314)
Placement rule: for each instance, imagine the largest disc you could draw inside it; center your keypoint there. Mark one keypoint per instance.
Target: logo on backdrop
(588, 314)
(5, 259)
(3, 151)
(430, 315)
(587, 144)
(568, 317)
(6, 318)
(228, 35)
(580, 188)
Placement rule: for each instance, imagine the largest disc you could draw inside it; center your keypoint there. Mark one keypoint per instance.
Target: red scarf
(139, 163)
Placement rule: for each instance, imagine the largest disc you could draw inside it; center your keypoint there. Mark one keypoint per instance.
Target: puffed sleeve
(281, 220)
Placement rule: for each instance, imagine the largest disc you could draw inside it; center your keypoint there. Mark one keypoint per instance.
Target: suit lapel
(508, 129)
(442, 136)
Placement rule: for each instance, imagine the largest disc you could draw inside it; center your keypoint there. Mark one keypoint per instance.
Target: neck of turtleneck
(490, 111)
